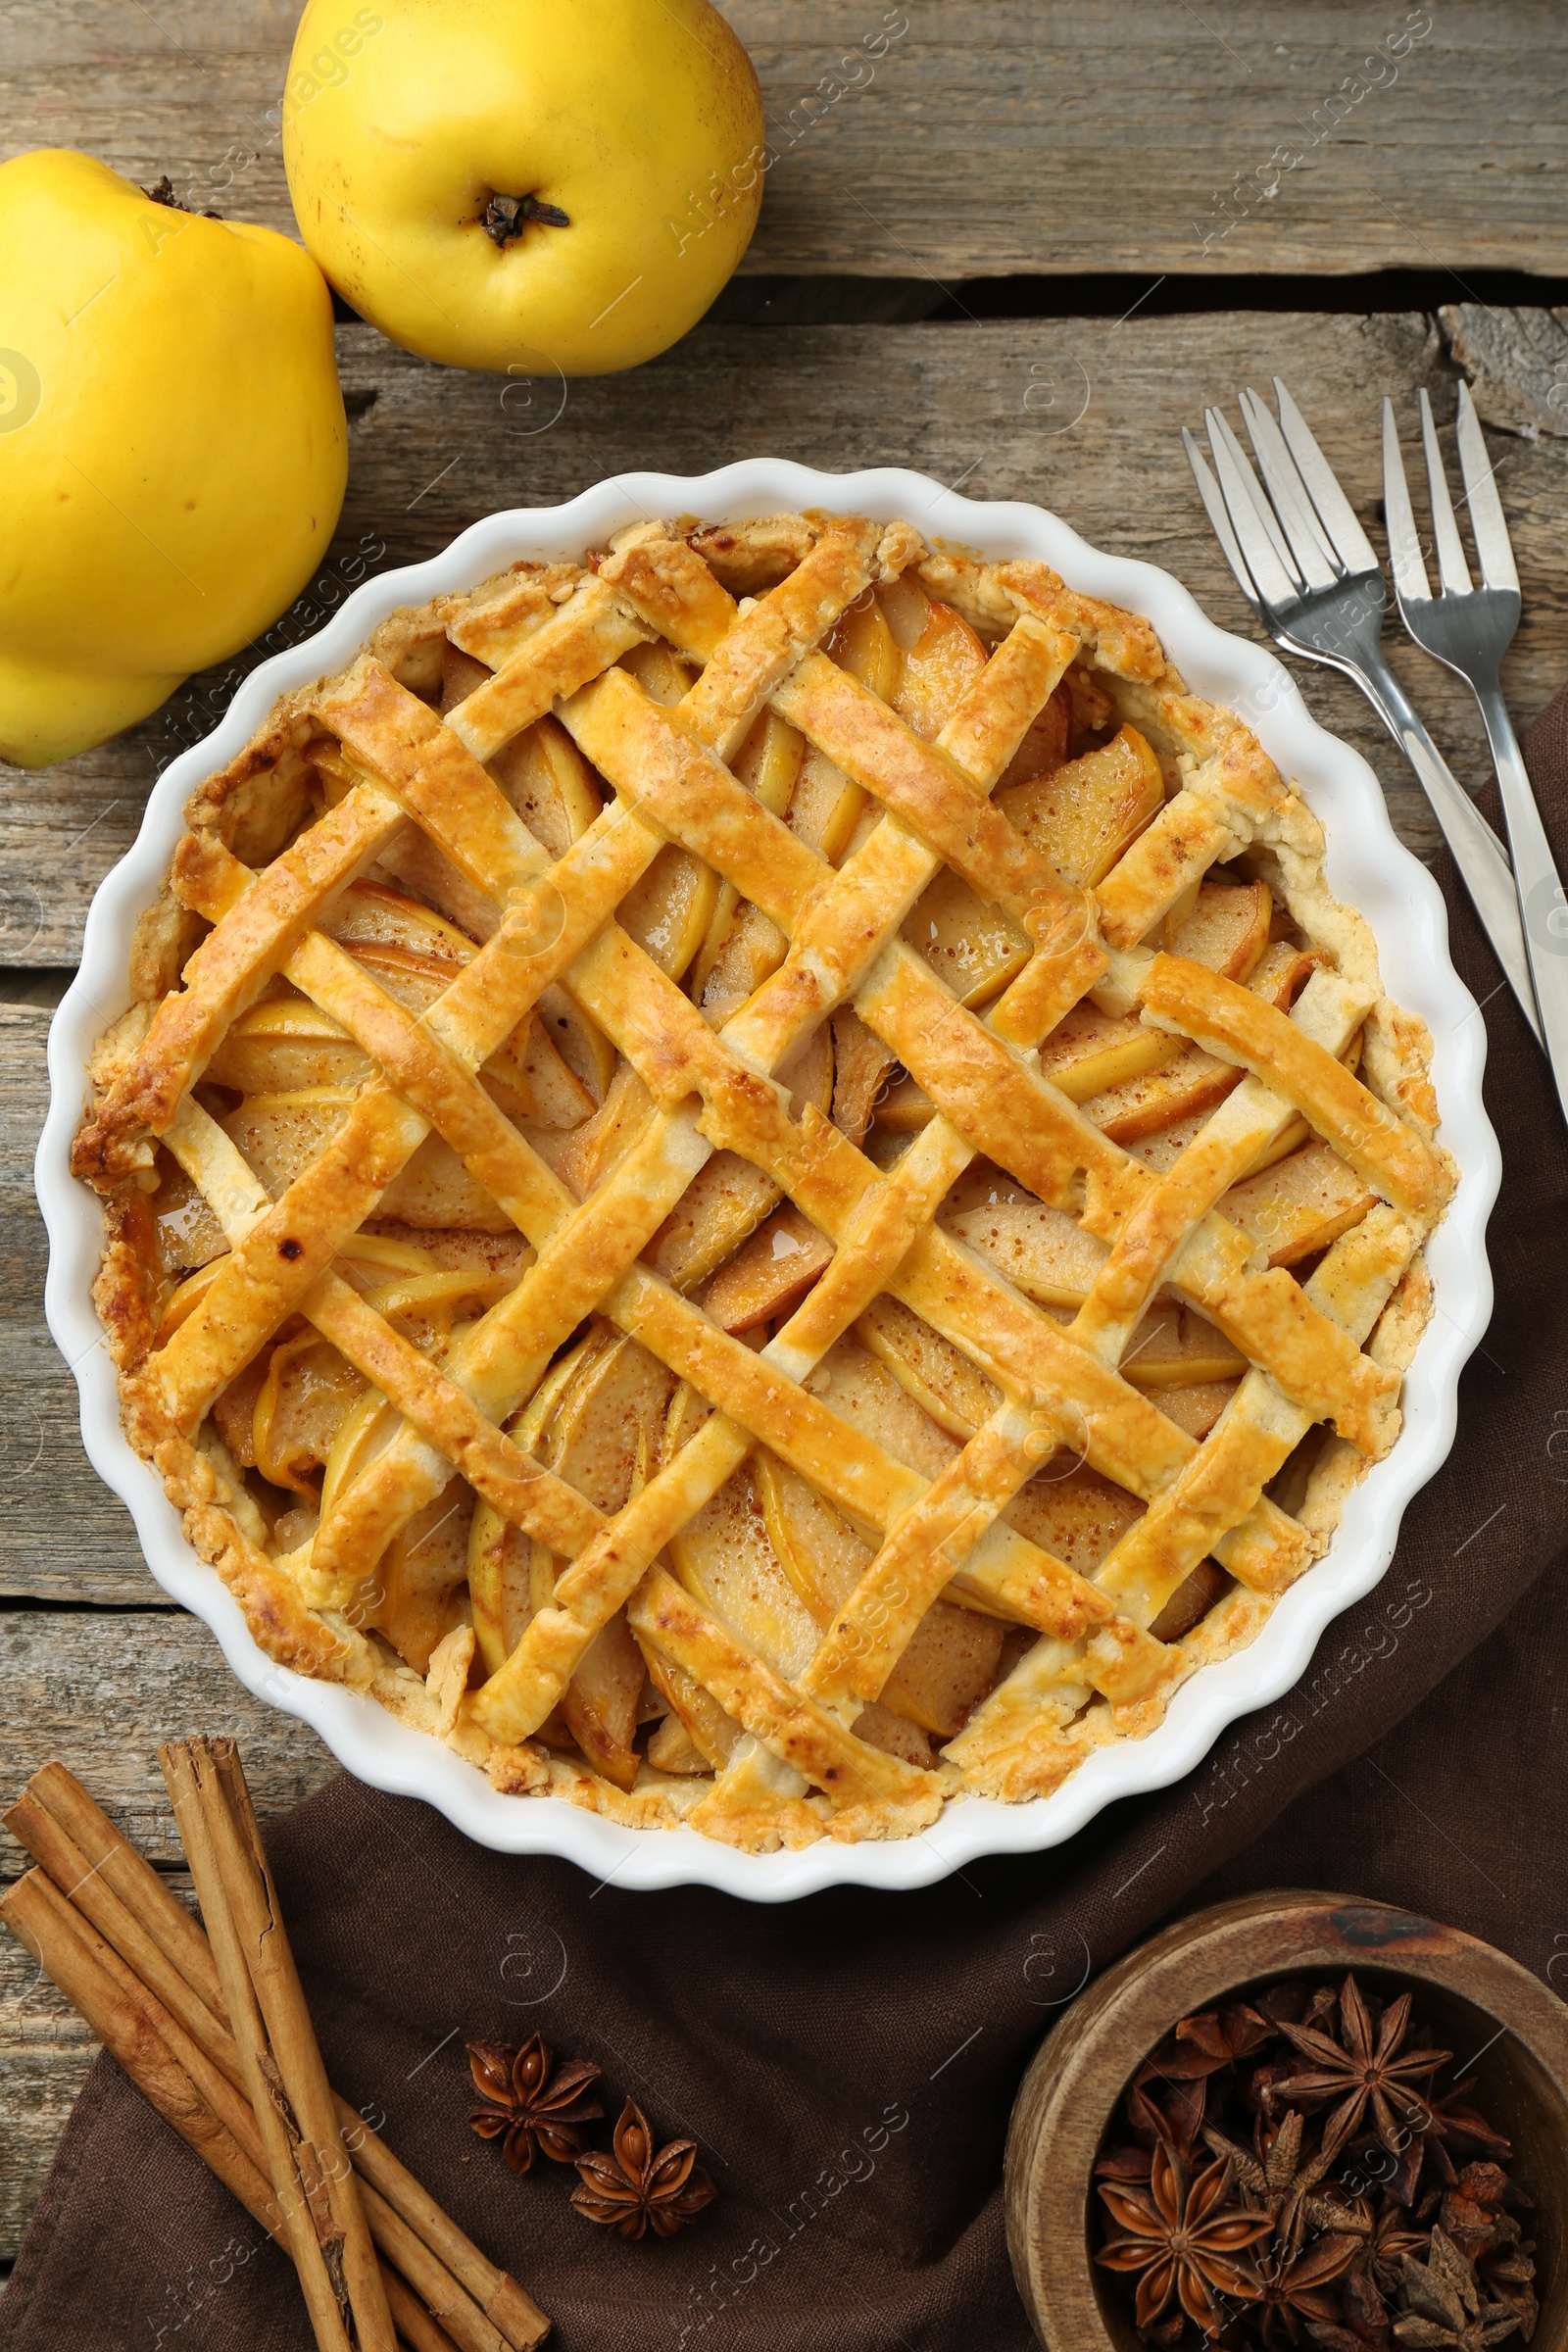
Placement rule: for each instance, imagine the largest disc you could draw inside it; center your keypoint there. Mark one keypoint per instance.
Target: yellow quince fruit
(172, 446)
(547, 188)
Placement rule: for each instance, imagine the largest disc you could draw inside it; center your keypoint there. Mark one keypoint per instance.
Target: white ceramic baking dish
(1366, 866)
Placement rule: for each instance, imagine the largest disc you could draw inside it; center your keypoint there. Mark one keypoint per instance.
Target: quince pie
(757, 1180)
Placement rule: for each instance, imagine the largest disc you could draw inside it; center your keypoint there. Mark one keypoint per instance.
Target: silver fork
(1469, 629)
(1308, 569)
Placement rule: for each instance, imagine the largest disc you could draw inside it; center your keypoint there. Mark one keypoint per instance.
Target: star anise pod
(1299, 2004)
(530, 2104)
(637, 2183)
(1364, 2331)
(1376, 2270)
(1445, 2129)
(1283, 2181)
(1446, 2312)
(1362, 2072)
(1452, 2128)
(1295, 2291)
(1176, 2115)
(1392, 2239)
(1202, 2044)
(1366, 2315)
(1474, 2216)
(1184, 2240)
(1508, 2270)
(1474, 2226)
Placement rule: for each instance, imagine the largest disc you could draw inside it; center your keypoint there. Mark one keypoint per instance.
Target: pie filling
(758, 1181)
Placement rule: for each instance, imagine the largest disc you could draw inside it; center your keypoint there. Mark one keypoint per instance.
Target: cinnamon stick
(483, 2308)
(246, 1885)
(56, 1794)
(213, 2086)
(475, 2283)
(86, 1875)
(304, 2227)
(147, 2044)
(410, 2317)
(127, 2035)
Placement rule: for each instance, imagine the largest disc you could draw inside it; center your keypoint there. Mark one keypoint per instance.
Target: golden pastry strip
(656, 767)
(932, 1539)
(230, 968)
(1233, 1022)
(1246, 1123)
(1256, 1433)
(530, 1496)
(1181, 845)
(782, 1718)
(915, 782)
(582, 639)
(759, 652)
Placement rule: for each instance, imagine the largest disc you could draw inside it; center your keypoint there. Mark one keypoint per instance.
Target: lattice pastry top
(757, 1180)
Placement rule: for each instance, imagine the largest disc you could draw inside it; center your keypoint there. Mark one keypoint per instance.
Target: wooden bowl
(1504, 2026)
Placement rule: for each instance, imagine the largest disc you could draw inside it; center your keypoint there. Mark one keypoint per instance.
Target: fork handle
(1541, 899)
(1478, 854)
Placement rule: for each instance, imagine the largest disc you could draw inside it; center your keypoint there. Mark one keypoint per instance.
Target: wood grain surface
(1144, 136)
(62, 1535)
(971, 138)
(101, 1685)
(1082, 415)
(117, 1682)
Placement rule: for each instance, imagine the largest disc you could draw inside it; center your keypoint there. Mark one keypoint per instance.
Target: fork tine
(1405, 548)
(1493, 549)
(1316, 559)
(1452, 569)
(1208, 490)
(1338, 516)
(1269, 560)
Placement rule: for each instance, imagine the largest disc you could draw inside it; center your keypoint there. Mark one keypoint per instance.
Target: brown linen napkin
(847, 2062)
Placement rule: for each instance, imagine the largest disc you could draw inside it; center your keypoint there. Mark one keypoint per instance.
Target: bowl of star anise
(1297, 2120)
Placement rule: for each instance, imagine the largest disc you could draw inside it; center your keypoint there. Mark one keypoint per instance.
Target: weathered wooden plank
(63, 1535)
(993, 407)
(1517, 362)
(975, 137)
(100, 1689)
(38, 2085)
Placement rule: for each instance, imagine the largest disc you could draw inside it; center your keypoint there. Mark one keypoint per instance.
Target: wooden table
(925, 265)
